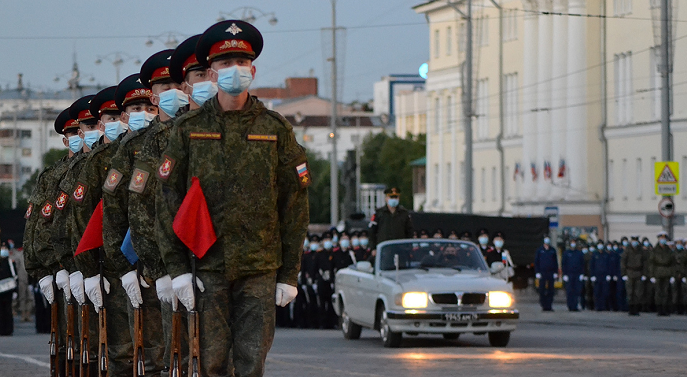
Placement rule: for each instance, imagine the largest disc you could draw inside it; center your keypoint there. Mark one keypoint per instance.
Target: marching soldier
(546, 270)
(600, 271)
(633, 267)
(649, 289)
(621, 289)
(661, 268)
(324, 261)
(391, 221)
(254, 176)
(681, 277)
(572, 265)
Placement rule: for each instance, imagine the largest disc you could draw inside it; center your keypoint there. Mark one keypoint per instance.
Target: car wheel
(390, 338)
(451, 336)
(499, 338)
(350, 330)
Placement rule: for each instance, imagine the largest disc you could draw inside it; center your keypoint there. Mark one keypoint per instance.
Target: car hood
(447, 280)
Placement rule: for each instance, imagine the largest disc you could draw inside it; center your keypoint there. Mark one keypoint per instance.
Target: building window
(483, 184)
(611, 180)
(437, 184)
(482, 108)
(462, 37)
(639, 179)
(308, 138)
(25, 134)
(437, 42)
(623, 175)
(449, 183)
(510, 25)
(437, 115)
(508, 187)
(622, 7)
(449, 41)
(655, 82)
(450, 114)
(26, 152)
(26, 170)
(482, 28)
(623, 87)
(461, 186)
(494, 184)
(511, 104)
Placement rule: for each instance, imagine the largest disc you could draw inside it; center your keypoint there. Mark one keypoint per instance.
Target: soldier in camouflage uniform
(649, 289)
(680, 292)
(633, 267)
(184, 70)
(254, 176)
(661, 269)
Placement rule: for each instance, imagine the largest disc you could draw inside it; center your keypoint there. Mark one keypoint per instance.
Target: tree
(49, 158)
(319, 190)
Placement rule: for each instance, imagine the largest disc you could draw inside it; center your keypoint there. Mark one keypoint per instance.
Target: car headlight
(500, 299)
(414, 300)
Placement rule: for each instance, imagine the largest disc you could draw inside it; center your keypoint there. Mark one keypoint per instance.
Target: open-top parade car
(424, 286)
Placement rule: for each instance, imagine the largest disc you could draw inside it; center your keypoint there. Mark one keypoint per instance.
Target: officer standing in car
(391, 221)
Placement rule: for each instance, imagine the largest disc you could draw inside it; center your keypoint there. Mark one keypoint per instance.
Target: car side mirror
(364, 266)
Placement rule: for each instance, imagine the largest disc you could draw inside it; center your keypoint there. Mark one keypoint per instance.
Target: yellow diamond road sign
(667, 179)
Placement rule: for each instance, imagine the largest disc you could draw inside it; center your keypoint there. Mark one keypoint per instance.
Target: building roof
(422, 161)
(323, 121)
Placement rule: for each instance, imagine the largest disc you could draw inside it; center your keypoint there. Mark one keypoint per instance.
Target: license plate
(460, 317)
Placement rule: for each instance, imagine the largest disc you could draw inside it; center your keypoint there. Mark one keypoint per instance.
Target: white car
(424, 286)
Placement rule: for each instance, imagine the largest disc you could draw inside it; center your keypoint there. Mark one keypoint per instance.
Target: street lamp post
(168, 38)
(117, 59)
(248, 14)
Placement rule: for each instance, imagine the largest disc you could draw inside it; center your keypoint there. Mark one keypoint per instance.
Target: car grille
(452, 298)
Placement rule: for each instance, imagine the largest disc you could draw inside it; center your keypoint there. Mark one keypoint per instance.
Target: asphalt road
(545, 344)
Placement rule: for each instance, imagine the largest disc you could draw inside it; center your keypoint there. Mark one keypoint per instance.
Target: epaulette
(280, 118)
(178, 121)
(76, 159)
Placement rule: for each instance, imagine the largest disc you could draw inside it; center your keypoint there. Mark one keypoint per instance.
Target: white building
(386, 89)
(574, 102)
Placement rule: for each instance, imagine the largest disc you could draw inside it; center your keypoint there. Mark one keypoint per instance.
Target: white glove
(133, 289)
(538, 276)
(615, 278)
(183, 289)
(47, 288)
(684, 280)
(672, 280)
(653, 280)
(582, 277)
(555, 276)
(625, 278)
(76, 286)
(165, 293)
(326, 275)
(608, 277)
(92, 286)
(593, 278)
(565, 278)
(62, 282)
(643, 278)
(285, 294)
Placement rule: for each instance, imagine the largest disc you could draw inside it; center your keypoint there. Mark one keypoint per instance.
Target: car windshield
(431, 253)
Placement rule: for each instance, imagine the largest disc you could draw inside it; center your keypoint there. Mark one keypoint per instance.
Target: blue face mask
(113, 130)
(662, 241)
(678, 246)
(75, 143)
(393, 202)
(345, 243)
(4, 252)
(498, 243)
(547, 241)
(635, 243)
(327, 244)
(91, 137)
(203, 91)
(140, 120)
(314, 246)
(355, 242)
(235, 79)
(172, 100)
(364, 242)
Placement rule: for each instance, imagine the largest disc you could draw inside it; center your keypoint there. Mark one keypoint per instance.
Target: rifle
(193, 329)
(175, 362)
(69, 366)
(139, 357)
(102, 323)
(84, 366)
(54, 358)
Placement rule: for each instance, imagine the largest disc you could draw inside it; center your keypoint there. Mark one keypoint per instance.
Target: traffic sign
(666, 177)
(552, 214)
(666, 207)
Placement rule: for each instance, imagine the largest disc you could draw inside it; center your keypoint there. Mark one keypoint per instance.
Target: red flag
(193, 224)
(93, 235)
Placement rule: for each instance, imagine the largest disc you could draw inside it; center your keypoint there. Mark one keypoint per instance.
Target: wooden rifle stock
(69, 365)
(84, 365)
(175, 362)
(102, 324)
(54, 358)
(193, 329)
(139, 358)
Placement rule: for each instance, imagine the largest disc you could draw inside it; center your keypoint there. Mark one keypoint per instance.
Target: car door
(369, 291)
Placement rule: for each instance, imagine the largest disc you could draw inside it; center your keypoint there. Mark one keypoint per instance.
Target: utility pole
(14, 161)
(467, 111)
(357, 164)
(666, 71)
(334, 168)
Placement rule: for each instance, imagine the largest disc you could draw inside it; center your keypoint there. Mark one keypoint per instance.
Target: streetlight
(117, 59)
(168, 38)
(248, 15)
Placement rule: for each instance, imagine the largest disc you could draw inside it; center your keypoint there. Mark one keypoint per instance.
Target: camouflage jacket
(116, 199)
(661, 262)
(254, 176)
(142, 190)
(85, 197)
(632, 262)
(62, 228)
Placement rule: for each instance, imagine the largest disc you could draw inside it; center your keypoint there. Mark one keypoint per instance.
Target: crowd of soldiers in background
(631, 275)
(324, 255)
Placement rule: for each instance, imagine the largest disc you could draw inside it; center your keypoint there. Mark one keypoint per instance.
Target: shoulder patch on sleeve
(28, 211)
(61, 201)
(46, 211)
(304, 179)
(166, 167)
(139, 178)
(112, 180)
(79, 192)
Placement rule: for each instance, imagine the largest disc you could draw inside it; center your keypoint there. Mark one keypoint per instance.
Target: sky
(382, 37)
